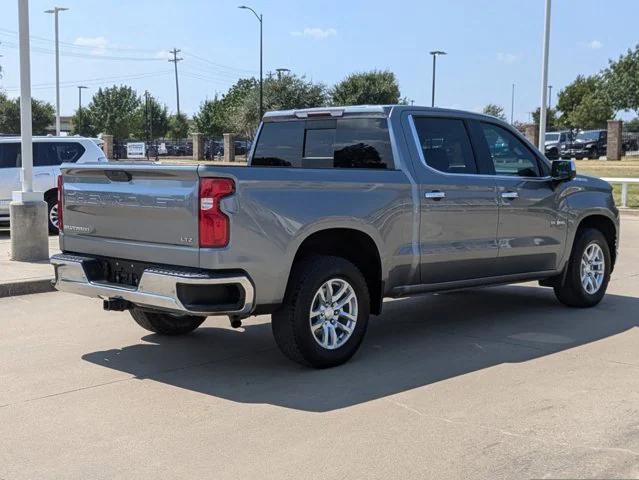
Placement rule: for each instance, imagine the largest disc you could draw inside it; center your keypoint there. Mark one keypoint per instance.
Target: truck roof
(375, 110)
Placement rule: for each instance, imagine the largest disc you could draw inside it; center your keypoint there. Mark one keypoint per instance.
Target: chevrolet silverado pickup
(337, 209)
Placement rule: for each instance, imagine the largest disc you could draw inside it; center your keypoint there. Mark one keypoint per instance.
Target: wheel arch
(356, 246)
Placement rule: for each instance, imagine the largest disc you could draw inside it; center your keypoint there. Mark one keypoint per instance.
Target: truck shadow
(416, 342)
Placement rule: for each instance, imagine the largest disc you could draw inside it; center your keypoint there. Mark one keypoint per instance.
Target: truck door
(458, 229)
(532, 230)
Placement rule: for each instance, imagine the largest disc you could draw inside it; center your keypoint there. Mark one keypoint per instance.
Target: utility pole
(55, 11)
(544, 79)
(175, 61)
(80, 88)
(148, 114)
(512, 106)
(549, 96)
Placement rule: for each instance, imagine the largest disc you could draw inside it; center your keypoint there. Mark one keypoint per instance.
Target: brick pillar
(532, 133)
(614, 151)
(229, 147)
(107, 146)
(198, 146)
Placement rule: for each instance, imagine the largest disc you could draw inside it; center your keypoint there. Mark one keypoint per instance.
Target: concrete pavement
(21, 278)
(488, 383)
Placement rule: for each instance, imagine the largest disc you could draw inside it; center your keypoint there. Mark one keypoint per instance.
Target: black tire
(572, 293)
(52, 203)
(165, 324)
(594, 154)
(291, 324)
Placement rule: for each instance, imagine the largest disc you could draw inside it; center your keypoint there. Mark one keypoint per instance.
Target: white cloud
(508, 57)
(163, 54)
(315, 33)
(595, 44)
(99, 44)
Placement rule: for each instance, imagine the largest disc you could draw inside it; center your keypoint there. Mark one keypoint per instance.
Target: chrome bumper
(157, 287)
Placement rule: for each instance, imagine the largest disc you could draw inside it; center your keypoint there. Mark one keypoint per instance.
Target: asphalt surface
(494, 383)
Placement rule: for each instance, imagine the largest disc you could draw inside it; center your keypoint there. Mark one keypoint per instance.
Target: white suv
(48, 154)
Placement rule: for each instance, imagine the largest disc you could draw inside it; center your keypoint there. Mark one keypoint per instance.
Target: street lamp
(434, 53)
(55, 12)
(544, 79)
(80, 88)
(259, 17)
(282, 71)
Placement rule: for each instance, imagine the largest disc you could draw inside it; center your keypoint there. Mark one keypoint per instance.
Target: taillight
(214, 225)
(60, 202)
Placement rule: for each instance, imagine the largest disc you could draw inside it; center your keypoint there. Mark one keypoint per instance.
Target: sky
(491, 44)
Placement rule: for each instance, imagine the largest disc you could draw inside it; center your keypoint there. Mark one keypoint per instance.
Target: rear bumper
(171, 290)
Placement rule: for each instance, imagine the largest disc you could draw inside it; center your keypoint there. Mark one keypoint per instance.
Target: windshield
(594, 135)
(552, 137)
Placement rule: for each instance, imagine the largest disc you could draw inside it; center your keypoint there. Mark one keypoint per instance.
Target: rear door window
(56, 153)
(9, 155)
(445, 144)
(334, 143)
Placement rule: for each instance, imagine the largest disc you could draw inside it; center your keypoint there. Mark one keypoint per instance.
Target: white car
(48, 154)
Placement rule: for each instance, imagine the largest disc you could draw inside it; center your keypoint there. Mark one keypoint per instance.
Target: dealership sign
(136, 150)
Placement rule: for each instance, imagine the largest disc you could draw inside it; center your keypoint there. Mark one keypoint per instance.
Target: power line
(97, 81)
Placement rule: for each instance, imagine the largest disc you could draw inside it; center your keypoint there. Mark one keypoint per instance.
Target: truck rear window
(334, 143)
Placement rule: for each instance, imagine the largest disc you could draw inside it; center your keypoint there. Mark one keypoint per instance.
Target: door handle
(509, 195)
(435, 195)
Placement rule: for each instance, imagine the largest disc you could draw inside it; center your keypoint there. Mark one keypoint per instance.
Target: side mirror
(563, 170)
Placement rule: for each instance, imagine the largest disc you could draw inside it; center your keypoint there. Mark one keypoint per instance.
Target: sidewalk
(21, 278)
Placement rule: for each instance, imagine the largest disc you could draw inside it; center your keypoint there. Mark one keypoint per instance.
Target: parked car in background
(48, 154)
(337, 209)
(555, 143)
(587, 144)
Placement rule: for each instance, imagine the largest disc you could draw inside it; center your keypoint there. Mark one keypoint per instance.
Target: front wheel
(324, 316)
(588, 271)
(164, 323)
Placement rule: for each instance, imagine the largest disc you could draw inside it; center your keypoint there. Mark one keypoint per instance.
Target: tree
(594, 111)
(495, 111)
(42, 115)
(151, 119)
(211, 118)
(367, 88)
(584, 104)
(622, 81)
(551, 117)
(113, 110)
(178, 126)
(82, 124)
(632, 125)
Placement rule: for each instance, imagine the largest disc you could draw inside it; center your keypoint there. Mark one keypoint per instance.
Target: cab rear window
(333, 143)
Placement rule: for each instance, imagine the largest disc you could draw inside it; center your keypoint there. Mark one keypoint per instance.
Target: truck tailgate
(150, 204)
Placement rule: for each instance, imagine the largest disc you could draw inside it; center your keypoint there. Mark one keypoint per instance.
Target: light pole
(259, 17)
(512, 106)
(549, 97)
(55, 12)
(28, 211)
(434, 53)
(544, 79)
(80, 88)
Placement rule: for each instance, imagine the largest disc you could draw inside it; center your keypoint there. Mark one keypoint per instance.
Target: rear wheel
(588, 271)
(52, 215)
(324, 316)
(164, 323)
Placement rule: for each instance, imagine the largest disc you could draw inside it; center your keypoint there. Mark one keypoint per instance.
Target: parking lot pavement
(23, 277)
(493, 383)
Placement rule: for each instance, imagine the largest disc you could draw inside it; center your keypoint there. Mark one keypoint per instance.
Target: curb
(26, 287)
(631, 212)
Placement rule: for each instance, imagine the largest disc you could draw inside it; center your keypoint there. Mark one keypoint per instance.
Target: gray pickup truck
(337, 209)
